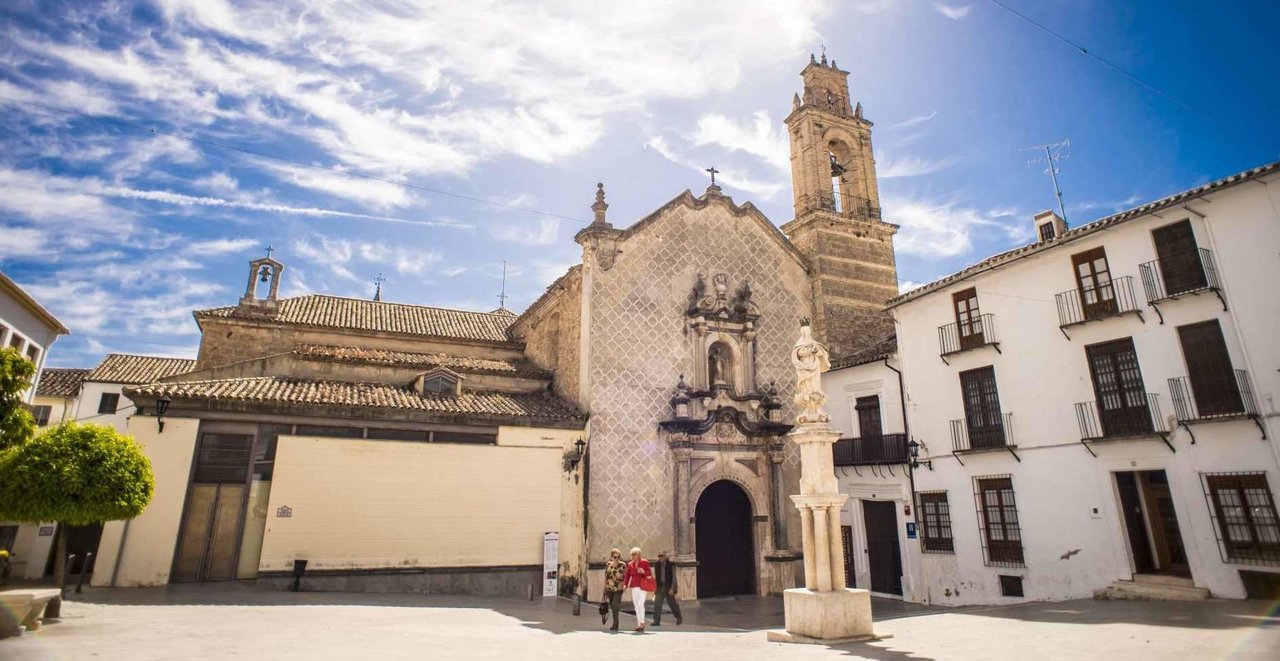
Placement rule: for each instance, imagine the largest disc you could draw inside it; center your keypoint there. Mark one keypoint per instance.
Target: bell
(265, 274)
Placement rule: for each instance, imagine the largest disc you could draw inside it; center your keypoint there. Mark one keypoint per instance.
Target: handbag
(648, 583)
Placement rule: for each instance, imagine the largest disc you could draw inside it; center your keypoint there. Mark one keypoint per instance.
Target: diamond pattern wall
(640, 346)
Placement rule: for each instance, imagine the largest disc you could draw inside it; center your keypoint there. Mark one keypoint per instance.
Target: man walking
(665, 571)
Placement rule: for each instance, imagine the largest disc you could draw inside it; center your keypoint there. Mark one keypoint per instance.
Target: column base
(826, 617)
(781, 636)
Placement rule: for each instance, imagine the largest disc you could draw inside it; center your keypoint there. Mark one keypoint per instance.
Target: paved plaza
(240, 621)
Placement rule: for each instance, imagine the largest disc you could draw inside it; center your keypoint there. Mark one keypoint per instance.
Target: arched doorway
(725, 547)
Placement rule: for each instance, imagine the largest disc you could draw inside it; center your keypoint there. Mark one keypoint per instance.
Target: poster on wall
(550, 564)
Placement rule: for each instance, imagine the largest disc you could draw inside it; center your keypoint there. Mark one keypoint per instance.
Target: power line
(1098, 58)
(284, 159)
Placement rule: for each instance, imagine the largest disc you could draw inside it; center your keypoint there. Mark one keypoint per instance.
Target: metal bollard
(84, 567)
(66, 571)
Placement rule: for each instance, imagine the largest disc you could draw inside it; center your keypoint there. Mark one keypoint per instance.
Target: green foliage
(75, 474)
(16, 423)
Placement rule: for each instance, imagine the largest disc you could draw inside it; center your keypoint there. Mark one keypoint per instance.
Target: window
(223, 458)
(42, 413)
(108, 404)
(1245, 513)
(1046, 231)
(982, 408)
(398, 435)
(330, 431)
(33, 353)
(463, 437)
(868, 409)
(968, 318)
(1213, 381)
(1011, 586)
(15, 341)
(935, 522)
(1180, 265)
(998, 521)
(1117, 383)
(1093, 279)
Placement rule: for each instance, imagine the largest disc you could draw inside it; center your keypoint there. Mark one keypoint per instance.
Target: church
(642, 400)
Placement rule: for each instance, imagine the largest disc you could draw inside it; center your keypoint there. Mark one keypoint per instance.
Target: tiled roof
(380, 316)
(286, 391)
(61, 381)
(883, 348)
(460, 364)
(1084, 230)
(128, 368)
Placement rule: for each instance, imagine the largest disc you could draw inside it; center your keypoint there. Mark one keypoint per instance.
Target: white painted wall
(1041, 374)
(91, 396)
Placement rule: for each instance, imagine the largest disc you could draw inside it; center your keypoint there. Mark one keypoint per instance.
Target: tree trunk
(60, 562)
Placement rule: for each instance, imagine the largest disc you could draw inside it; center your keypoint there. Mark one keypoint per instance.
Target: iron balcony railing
(985, 433)
(1120, 415)
(870, 451)
(1179, 274)
(1110, 299)
(1211, 396)
(955, 337)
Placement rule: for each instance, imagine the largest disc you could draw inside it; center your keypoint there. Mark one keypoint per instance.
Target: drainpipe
(911, 474)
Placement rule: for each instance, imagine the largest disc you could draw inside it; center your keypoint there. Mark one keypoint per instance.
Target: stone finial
(600, 206)
(857, 111)
(824, 58)
(795, 102)
(813, 59)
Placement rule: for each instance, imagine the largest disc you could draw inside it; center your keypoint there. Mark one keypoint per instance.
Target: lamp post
(579, 450)
(162, 407)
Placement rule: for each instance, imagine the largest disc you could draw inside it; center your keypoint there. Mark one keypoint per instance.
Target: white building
(102, 401)
(26, 326)
(58, 395)
(1098, 407)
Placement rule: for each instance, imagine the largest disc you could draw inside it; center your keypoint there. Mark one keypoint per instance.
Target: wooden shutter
(1093, 279)
(1000, 513)
(868, 409)
(982, 408)
(1213, 381)
(1179, 255)
(968, 318)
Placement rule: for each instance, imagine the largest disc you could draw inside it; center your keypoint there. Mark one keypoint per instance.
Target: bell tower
(265, 273)
(837, 204)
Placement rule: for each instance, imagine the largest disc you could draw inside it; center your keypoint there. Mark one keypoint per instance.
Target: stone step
(1162, 579)
(1151, 592)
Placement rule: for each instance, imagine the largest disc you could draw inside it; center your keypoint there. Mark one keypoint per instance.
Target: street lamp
(579, 450)
(162, 407)
(914, 448)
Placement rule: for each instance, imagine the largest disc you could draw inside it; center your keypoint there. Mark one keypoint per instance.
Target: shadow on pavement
(1210, 614)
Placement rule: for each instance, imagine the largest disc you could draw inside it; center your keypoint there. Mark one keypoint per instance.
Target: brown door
(1093, 279)
(1166, 534)
(982, 408)
(1117, 383)
(884, 557)
(1180, 265)
(725, 544)
(1135, 522)
(1213, 381)
(968, 318)
(846, 543)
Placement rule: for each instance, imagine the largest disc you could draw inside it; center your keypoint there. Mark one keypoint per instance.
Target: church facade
(643, 400)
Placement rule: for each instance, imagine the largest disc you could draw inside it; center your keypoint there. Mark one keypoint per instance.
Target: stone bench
(26, 608)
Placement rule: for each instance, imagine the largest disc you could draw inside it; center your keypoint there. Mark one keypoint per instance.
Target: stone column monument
(823, 611)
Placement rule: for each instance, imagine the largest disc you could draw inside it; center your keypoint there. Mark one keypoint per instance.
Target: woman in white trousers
(639, 581)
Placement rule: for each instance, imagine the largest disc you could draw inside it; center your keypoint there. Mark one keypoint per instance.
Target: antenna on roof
(502, 298)
(377, 292)
(1053, 153)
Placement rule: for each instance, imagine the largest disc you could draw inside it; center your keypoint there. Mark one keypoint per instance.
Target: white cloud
(953, 13)
(762, 138)
(212, 247)
(371, 192)
(941, 229)
(726, 174)
(23, 242)
(542, 232)
(341, 256)
(220, 182)
(910, 166)
(874, 6)
(913, 121)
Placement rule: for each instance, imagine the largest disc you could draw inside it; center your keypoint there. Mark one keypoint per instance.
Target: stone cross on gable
(713, 172)
(270, 249)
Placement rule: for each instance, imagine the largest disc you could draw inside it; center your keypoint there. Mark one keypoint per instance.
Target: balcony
(983, 434)
(954, 338)
(882, 450)
(1213, 397)
(1115, 421)
(1111, 299)
(1181, 274)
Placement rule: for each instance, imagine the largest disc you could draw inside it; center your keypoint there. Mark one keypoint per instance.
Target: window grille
(1244, 517)
(1000, 532)
(1011, 586)
(935, 522)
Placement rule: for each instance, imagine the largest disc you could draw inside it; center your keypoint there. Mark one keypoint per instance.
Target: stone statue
(717, 364)
(810, 359)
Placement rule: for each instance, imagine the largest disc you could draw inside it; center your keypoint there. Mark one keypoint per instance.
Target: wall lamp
(579, 450)
(914, 448)
(162, 407)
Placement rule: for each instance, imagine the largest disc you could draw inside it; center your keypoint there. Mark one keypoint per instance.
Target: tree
(75, 475)
(16, 423)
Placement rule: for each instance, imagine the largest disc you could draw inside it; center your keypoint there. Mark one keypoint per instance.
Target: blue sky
(121, 232)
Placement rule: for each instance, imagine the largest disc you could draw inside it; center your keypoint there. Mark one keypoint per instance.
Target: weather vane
(377, 293)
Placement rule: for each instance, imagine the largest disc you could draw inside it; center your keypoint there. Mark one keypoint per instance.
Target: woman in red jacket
(639, 580)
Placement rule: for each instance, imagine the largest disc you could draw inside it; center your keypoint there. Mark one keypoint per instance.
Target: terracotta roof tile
(129, 368)
(1083, 230)
(381, 316)
(61, 381)
(460, 364)
(285, 390)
